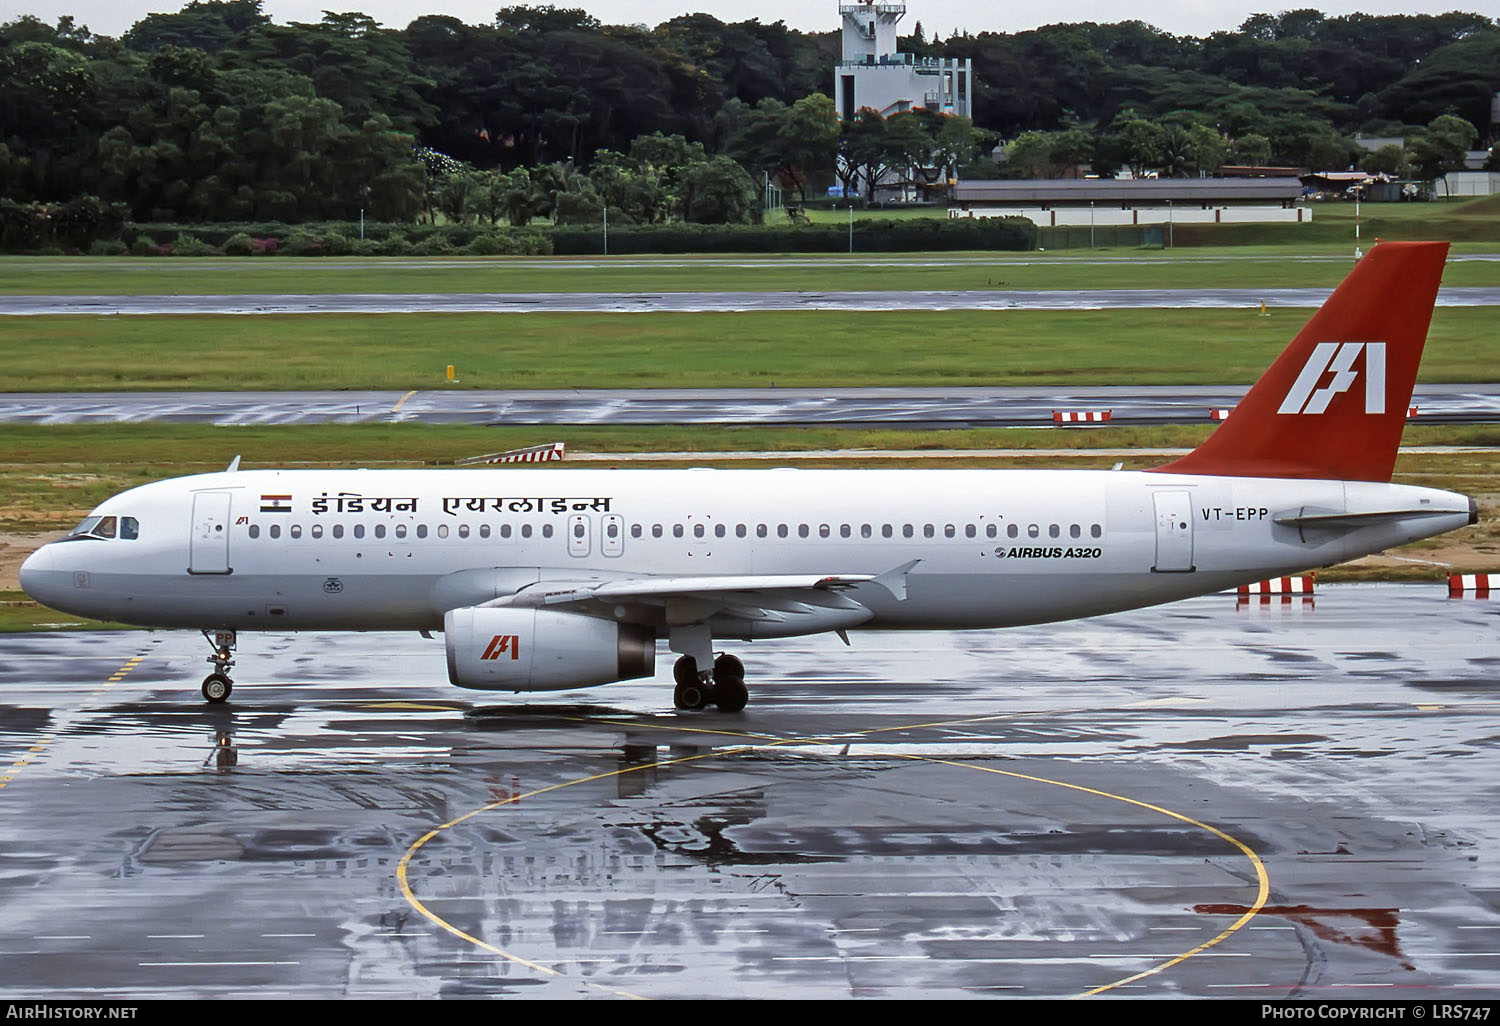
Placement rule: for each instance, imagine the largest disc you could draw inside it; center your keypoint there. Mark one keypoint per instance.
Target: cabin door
(1174, 533)
(208, 548)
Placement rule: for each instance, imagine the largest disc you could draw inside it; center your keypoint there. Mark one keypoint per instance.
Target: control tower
(873, 74)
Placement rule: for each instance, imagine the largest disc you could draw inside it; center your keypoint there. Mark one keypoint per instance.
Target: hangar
(1107, 201)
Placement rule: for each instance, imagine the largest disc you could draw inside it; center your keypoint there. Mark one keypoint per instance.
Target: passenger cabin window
(1075, 531)
(463, 530)
(801, 530)
(400, 530)
(656, 530)
(1012, 531)
(525, 530)
(359, 530)
(338, 530)
(635, 530)
(1054, 531)
(1033, 531)
(546, 530)
(484, 530)
(316, 530)
(380, 530)
(275, 531)
(1096, 531)
(295, 531)
(255, 530)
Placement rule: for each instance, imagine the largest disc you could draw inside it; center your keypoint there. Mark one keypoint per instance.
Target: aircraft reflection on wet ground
(1276, 800)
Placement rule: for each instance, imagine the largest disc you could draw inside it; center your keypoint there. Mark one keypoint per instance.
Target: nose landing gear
(217, 685)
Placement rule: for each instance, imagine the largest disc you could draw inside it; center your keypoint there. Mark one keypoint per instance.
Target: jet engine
(542, 650)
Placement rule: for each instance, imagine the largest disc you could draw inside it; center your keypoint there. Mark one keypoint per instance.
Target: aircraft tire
(691, 695)
(685, 671)
(730, 694)
(216, 688)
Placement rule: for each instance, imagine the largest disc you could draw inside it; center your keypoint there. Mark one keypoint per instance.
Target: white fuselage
(396, 549)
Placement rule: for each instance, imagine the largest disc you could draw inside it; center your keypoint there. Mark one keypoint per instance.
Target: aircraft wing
(765, 597)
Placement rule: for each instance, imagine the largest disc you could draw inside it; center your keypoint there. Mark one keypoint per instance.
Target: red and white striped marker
(534, 454)
(1220, 414)
(1081, 416)
(1478, 583)
(1300, 585)
(1411, 411)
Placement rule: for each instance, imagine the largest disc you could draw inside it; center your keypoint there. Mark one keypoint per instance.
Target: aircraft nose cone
(42, 579)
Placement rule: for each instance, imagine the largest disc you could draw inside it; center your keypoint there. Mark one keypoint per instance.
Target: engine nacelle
(542, 650)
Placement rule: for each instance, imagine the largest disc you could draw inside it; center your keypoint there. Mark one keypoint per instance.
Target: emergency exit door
(1174, 533)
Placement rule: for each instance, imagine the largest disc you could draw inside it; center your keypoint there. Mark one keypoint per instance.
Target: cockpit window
(107, 527)
(86, 527)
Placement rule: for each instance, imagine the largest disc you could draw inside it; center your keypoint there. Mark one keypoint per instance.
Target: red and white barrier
(1411, 411)
(1477, 583)
(1220, 414)
(1300, 585)
(1081, 416)
(534, 454)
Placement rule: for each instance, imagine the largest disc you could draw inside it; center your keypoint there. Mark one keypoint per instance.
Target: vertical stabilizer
(1334, 403)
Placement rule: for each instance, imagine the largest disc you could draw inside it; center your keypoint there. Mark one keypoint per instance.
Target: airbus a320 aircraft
(546, 580)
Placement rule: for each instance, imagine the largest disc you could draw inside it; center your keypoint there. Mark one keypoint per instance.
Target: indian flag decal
(275, 503)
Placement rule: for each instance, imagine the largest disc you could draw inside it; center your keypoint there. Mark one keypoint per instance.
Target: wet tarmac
(1288, 799)
(909, 407)
(699, 302)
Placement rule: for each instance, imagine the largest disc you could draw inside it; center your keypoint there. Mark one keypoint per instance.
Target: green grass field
(1264, 261)
(690, 350)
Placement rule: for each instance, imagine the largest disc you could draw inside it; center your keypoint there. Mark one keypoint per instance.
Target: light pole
(1359, 191)
(606, 229)
(851, 229)
(1091, 224)
(1170, 240)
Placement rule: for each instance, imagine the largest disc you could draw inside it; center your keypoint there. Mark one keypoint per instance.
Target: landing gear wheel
(685, 671)
(692, 695)
(216, 688)
(730, 693)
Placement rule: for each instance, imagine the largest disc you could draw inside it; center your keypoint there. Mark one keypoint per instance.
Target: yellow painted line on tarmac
(402, 869)
(1264, 879)
(402, 401)
(416, 903)
(42, 743)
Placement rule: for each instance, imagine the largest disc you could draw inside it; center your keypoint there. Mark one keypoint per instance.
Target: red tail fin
(1335, 401)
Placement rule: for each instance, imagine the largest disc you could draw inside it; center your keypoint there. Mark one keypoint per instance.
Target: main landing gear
(217, 685)
(724, 687)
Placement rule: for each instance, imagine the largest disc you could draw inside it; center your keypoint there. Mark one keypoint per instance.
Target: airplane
(548, 580)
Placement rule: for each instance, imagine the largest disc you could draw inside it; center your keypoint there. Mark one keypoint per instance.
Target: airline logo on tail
(1339, 358)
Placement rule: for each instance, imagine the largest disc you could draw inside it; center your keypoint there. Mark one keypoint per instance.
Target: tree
(719, 192)
(1441, 146)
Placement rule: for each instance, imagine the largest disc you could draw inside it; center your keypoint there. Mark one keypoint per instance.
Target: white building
(873, 74)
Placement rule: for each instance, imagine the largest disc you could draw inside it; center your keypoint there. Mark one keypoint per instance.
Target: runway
(1202, 800)
(698, 302)
(910, 407)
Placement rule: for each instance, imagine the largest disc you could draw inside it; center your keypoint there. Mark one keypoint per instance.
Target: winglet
(1334, 403)
(234, 465)
(894, 579)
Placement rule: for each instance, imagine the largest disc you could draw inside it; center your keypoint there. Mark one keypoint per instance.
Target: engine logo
(501, 644)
